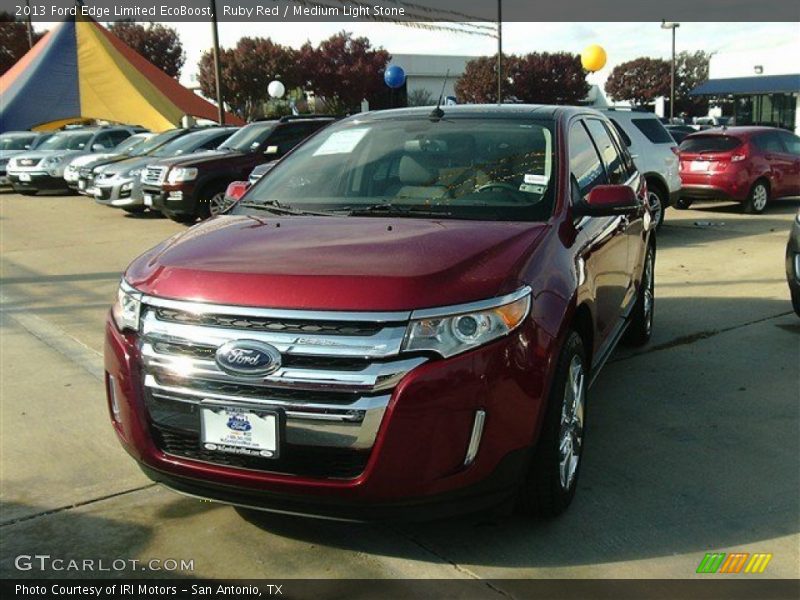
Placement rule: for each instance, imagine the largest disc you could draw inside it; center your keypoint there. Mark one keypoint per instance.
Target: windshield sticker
(535, 179)
(342, 142)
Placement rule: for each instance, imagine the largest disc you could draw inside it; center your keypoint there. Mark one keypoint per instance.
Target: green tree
(159, 44)
(639, 81)
(13, 40)
(691, 69)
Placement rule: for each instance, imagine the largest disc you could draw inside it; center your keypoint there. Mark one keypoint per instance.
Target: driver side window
(586, 168)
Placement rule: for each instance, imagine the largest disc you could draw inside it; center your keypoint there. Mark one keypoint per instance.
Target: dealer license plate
(24, 177)
(698, 165)
(148, 200)
(239, 431)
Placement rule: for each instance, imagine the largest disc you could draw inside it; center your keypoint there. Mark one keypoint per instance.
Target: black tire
(658, 199)
(543, 493)
(683, 203)
(641, 320)
(796, 302)
(202, 206)
(758, 198)
(183, 218)
(134, 210)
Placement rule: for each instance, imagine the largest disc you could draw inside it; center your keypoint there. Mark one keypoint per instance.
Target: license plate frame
(262, 439)
(698, 166)
(26, 177)
(148, 200)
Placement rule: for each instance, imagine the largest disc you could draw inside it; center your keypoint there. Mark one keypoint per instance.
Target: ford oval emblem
(248, 358)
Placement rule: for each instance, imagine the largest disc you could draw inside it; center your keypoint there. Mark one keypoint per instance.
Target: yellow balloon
(593, 58)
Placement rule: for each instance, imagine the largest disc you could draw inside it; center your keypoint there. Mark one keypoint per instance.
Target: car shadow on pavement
(691, 447)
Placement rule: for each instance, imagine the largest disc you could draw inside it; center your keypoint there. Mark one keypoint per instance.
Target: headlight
(125, 311)
(452, 330)
(182, 174)
(52, 160)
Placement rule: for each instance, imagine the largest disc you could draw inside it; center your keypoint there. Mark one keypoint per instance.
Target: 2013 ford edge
(402, 318)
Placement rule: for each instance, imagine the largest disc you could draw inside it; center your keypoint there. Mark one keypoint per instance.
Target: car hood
(193, 158)
(84, 159)
(6, 154)
(338, 263)
(123, 166)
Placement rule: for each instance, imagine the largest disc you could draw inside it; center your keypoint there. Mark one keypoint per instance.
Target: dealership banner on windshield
(476, 12)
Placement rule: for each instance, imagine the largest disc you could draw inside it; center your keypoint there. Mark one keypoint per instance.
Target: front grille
(262, 324)
(304, 461)
(28, 162)
(333, 384)
(154, 175)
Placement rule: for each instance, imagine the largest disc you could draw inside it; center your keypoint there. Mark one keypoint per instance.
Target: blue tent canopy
(760, 84)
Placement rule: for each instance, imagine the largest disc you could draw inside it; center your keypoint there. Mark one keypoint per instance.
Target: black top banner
(457, 11)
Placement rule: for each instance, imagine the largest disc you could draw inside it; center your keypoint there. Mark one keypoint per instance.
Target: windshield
(157, 140)
(129, 145)
(454, 168)
(67, 141)
(185, 143)
(15, 142)
(709, 143)
(248, 138)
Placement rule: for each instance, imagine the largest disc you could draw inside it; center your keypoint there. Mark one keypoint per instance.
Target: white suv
(654, 152)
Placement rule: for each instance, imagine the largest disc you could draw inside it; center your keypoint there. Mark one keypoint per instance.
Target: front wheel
(658, 200)
(758, 199)
(552, 479)
(641, 321)
(218, 204)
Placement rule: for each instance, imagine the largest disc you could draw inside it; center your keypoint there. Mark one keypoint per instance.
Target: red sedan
(750, 165)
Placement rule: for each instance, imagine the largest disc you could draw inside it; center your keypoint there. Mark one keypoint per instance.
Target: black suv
(192, 187)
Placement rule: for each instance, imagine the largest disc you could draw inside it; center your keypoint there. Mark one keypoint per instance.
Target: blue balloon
(394, 77)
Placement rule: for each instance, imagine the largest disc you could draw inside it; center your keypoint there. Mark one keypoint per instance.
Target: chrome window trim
(458, 309)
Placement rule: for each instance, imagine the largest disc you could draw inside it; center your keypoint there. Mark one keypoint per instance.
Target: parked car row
(182, 173)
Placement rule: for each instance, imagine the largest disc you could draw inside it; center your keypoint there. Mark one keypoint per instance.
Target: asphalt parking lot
(693, 441)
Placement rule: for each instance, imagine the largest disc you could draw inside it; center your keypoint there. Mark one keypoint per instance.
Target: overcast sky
(622, 41)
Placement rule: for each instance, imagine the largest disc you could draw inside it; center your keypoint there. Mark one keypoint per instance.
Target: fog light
(475, 437)
(126, 187)
(112, 397)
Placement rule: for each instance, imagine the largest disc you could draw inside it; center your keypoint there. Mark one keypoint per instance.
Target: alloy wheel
(571, 429)
(649, 296)
(760, 197)
(217, 204)
(655, 206)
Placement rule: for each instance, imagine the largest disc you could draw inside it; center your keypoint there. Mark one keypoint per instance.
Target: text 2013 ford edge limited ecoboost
(401, 318)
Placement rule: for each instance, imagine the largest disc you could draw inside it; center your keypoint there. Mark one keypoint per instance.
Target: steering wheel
(496, 184)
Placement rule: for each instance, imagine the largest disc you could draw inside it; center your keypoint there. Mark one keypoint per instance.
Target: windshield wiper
(276, 207)
(391, 209)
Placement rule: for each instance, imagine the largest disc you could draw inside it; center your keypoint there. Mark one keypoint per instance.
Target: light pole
(673, 26)
(499, 51)
(217, 74)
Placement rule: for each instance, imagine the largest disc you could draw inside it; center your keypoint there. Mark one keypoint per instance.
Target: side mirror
(98, 147)
(608, 201)
(235, 191)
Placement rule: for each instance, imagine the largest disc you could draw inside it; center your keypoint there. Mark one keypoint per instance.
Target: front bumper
(171, 199)
(36, 181)
(115, 192)
(417, 457)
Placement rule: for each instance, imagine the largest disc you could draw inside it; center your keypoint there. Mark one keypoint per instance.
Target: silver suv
(655, 153)
(43, 168)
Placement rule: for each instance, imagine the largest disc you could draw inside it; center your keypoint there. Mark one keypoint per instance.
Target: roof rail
(286, 118)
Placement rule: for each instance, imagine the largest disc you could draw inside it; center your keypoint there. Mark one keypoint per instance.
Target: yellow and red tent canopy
(80, 70)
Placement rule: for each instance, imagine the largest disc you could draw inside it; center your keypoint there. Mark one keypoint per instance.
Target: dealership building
(762, 86)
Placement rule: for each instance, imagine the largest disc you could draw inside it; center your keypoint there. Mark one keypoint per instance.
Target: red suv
(404, 315)
(751, 165)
